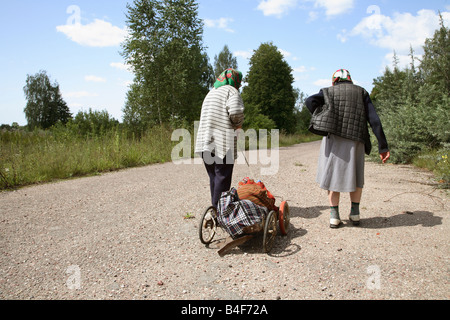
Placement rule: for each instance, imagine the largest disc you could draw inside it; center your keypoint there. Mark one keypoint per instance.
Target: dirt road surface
(124, 235)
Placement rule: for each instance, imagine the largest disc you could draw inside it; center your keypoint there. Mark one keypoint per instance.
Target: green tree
(45, 105)
(270, 88)
(302, 114)
(93, 122)
(254, 119)
(413, 103)
(389, 89)
(434, 93)
(165, 50)
(435, 64)
(224, 61)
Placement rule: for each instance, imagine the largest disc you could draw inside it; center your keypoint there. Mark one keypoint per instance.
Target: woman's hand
(385, 156)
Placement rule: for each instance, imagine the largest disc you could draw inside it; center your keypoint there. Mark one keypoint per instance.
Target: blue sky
(78, 42)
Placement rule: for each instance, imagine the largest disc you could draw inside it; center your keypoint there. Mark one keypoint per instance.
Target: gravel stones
(123, 235)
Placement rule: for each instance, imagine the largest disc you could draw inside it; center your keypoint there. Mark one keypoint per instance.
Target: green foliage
(270, 88)
(93, 122)
(172, 73)
(414, 103)
(302, 114)
(435, 65)
(254, 119)
(224, 61)
(45, 106)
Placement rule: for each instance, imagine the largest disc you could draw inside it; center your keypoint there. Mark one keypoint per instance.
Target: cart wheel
(208, 225)
(284, 218)
(270, 231)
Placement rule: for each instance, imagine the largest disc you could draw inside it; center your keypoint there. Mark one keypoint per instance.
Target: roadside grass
(287, 140)
(43, 156)
(40, 156)
(436, 161)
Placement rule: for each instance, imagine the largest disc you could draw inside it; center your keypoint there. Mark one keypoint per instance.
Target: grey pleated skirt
(341, 164)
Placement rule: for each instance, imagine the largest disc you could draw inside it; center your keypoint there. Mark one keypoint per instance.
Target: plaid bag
(234, 214)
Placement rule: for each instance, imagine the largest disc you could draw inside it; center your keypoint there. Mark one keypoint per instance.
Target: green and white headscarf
(229, 77)
(341, 75)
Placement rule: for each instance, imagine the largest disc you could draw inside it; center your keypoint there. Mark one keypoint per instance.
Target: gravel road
(124, 235)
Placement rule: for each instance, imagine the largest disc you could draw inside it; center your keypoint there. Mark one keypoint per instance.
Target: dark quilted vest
(343, 114)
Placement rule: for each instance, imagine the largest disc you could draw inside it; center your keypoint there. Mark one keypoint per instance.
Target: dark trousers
(220, 175)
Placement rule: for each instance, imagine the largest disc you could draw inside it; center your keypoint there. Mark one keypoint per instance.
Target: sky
(77, 42)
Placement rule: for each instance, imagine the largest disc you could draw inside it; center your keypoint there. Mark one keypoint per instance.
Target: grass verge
(28, 158)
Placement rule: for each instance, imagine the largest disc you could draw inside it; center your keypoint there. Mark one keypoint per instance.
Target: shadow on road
(407, 219)
(308, 212)
(285, 246)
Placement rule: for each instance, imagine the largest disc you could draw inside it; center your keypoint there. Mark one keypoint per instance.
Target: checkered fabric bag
(234, 214)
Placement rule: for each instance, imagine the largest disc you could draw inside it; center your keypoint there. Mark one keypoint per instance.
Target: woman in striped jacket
(222, 114)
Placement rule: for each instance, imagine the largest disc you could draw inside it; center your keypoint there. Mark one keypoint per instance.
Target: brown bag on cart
(256, 192)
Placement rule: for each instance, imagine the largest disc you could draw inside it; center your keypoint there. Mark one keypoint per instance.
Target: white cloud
(96, 34)
(398, 32)
(121, 66)
(243, 54)
(313, 15)
(285, 53)
(323, 83)
(343, 36)
(300, 69)
(94, 79)
(276, 7)
(333, 7)
(221, 23)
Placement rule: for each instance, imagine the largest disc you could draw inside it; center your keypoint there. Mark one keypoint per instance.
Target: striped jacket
(222, 113)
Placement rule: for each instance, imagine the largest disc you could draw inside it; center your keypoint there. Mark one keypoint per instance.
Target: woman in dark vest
(341, 113)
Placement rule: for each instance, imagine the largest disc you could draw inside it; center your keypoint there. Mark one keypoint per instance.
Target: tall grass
(60, 153)
(287, 140)
(438, 162)
(43, 156)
